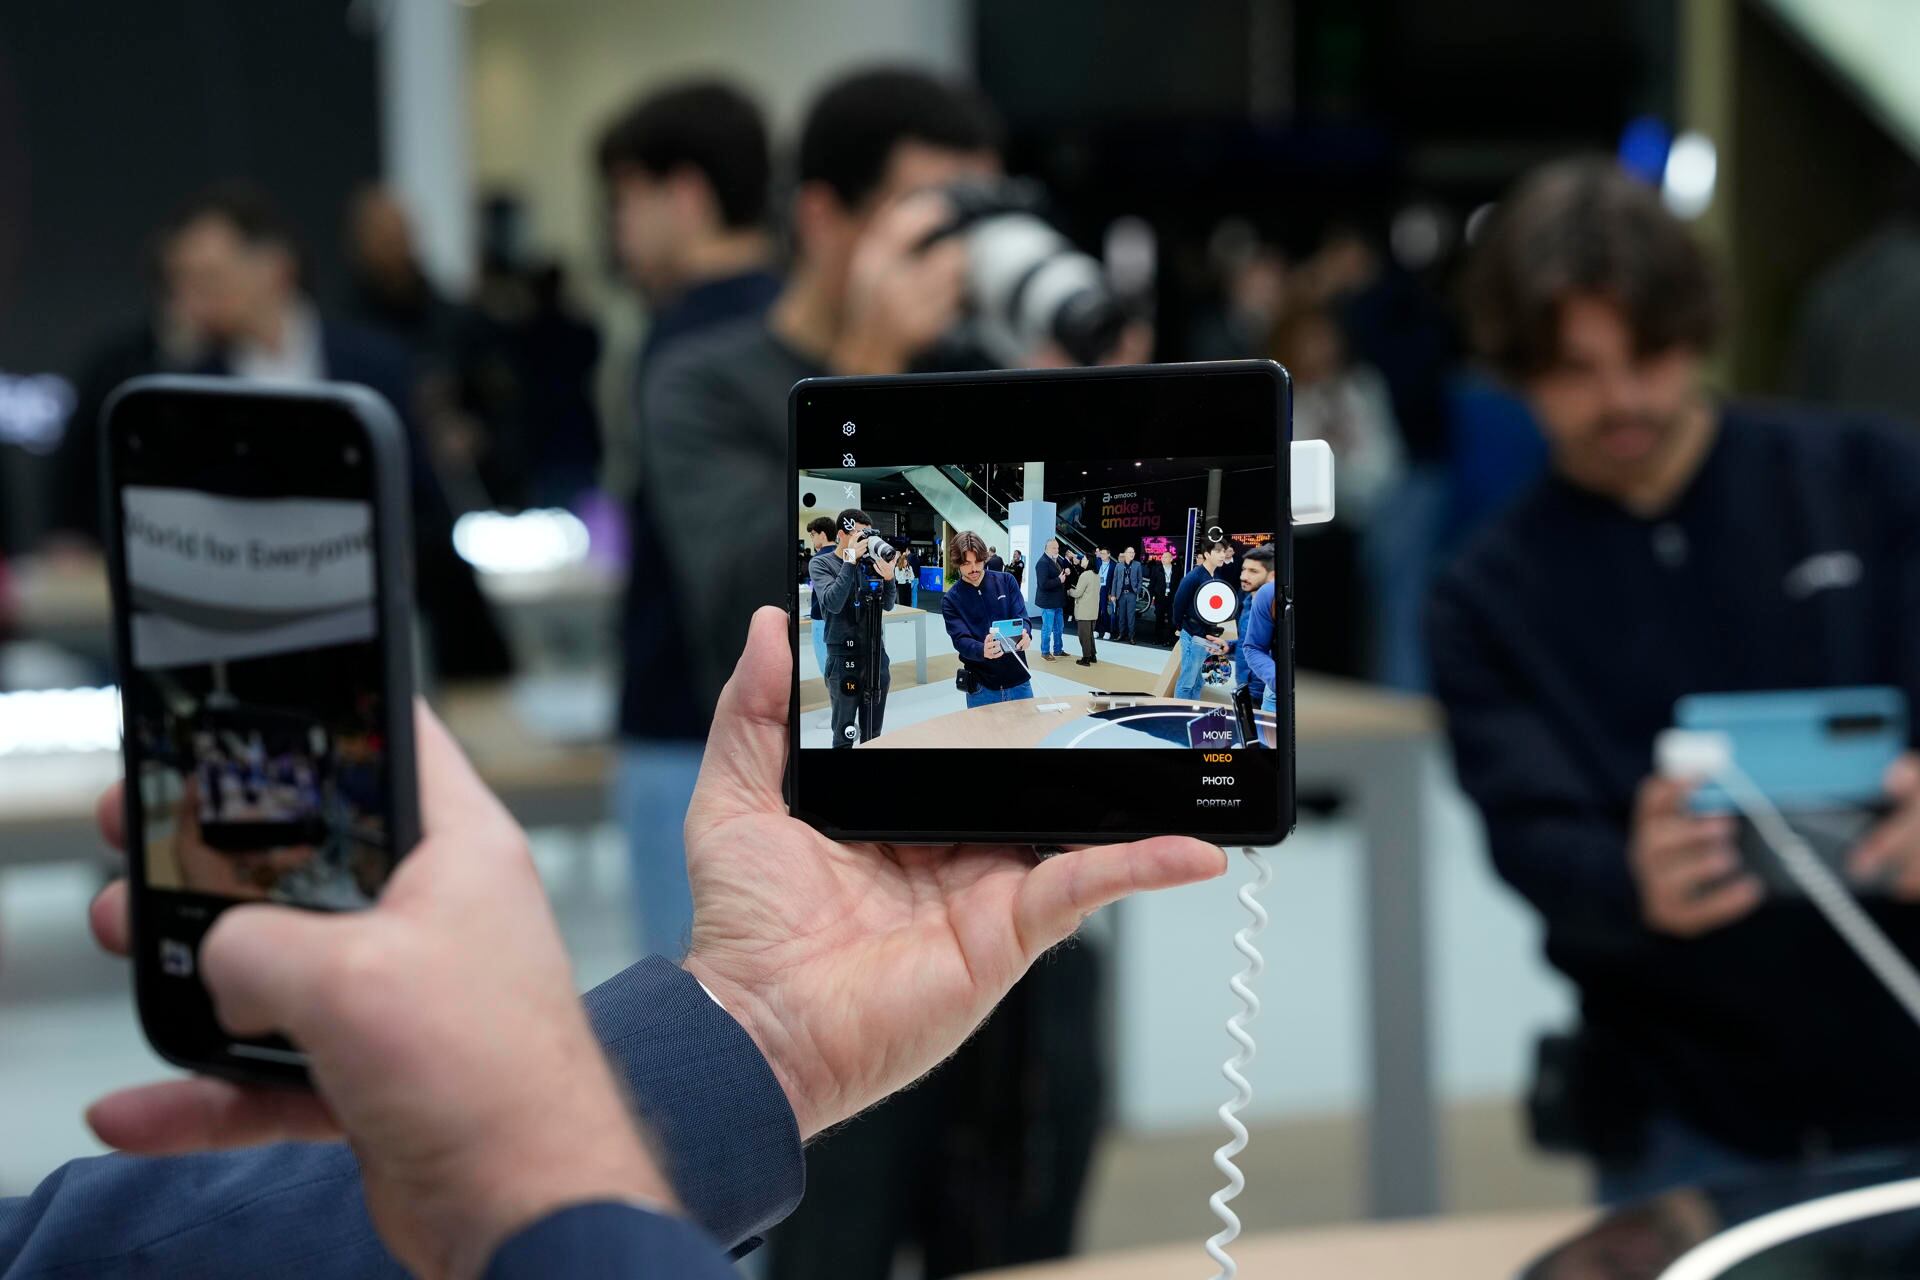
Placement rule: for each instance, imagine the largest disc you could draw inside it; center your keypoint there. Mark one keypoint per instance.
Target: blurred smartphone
(1820, 755)
(259, 550)
(1009, 630)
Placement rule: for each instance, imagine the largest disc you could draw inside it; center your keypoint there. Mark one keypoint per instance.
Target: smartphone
(1194, 458)
(1009, 630)
(259, 552)
(1820, 755)
(1808, 749)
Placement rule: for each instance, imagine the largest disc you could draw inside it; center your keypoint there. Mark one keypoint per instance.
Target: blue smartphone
(1808, 750)
(1009, 630)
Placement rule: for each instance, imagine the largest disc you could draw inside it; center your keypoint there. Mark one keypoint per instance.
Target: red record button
(1216, 602)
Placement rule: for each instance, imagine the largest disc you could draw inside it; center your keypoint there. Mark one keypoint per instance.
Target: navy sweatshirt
(970, 613)
(1561, 640)
(1185, 617)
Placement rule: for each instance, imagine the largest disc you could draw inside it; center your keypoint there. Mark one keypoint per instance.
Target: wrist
(528, 1183)
(771, 1036)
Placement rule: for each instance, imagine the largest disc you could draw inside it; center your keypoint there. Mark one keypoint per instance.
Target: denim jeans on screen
(1053, 634)
(1193, 656)
(819, 629)
(653, 783)
(984, 696)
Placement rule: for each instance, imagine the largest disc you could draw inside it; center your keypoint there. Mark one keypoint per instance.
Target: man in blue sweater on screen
(1198, 639)
(991, 663)
(1680, 545)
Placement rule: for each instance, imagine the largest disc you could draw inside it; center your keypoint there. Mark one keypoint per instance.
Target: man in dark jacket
(1681, 545)
(1050, 598)
(977, 601)
(845, 593)
(1128, 577)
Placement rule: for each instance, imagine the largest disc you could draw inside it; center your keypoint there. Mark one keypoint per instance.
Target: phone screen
(257, 696)
(1147, 507)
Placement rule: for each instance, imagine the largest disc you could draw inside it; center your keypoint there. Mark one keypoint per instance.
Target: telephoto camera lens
(1027, 284)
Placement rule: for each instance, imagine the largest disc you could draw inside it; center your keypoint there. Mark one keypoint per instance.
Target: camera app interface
(254, 699)
(1027, 604)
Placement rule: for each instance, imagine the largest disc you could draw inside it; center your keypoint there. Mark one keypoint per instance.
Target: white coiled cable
(1235, 1069)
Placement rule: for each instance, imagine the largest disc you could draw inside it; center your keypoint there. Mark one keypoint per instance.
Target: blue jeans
(1193, 656)
(819, 630)
(1270, 701)
(1053, 631)
(652, 786)
(983, 696)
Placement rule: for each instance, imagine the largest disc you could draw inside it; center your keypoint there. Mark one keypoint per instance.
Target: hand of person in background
(445, 1035)
(991, 648)
(859, 967)
(1890, 855)
(1685, 864)
(900, 297)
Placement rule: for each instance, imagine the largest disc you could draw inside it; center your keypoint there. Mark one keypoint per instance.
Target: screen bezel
(1074, 803)
(225, 437)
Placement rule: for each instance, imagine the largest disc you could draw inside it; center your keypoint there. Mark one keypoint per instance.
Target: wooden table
(899, 613)
(1480, 1248)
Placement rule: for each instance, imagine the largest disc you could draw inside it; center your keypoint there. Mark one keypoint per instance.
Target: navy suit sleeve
(610, 1240)
(727, 1138)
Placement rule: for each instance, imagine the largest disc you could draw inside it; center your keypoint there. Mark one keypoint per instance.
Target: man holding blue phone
(1682, 546)
(987, 619)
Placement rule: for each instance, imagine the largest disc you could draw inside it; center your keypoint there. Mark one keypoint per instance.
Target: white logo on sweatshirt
(1828, 571)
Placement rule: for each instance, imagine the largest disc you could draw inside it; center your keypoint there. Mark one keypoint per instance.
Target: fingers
(1660, 797)
(201, 1114)
(747, 745)
(110, 812)
(1891, 852)
(1714, 909)
(266, 966)
(1903, 779)
(1064, 890)
(107, 917)
(911, 220)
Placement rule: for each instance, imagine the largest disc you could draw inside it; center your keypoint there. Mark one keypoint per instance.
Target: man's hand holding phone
(992, 648)
(1685, 864)
(471, 1118)
(1890, 855)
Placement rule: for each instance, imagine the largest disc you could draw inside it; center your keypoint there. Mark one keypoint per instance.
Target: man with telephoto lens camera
(844, 586)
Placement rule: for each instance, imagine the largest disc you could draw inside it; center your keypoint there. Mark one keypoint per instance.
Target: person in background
(1198, 638)
(1263, 642)
(1104, 618)
(1085, 593)
(1018, 567)
(841, 589)
(686, 171)
(1050, 573)
(1256, 570)
(234, 266)
(913, 576)
(867, 294)
(390, 291)
(994, 562)
(1126, 580)
(1723, 1030)
(1162, 580)
(820, 541)
(979, 598)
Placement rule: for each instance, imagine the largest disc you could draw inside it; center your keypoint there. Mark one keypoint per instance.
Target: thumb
(1903, 777)
(267, 967)
(747, 745)
(1067, 888)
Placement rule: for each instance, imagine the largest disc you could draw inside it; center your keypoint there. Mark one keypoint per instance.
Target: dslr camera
(878, 548)
(1026, 283)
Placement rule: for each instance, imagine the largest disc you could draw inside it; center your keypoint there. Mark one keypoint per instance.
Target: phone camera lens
(240, 448)
(352, 456)
(133, 444)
